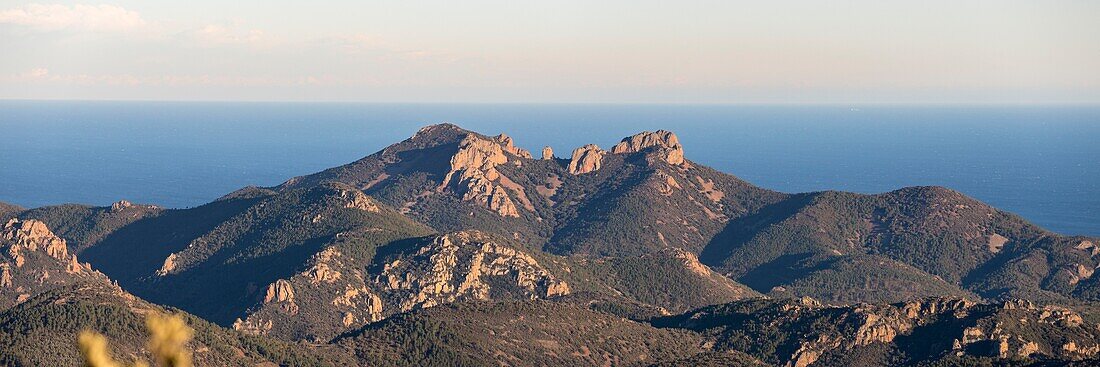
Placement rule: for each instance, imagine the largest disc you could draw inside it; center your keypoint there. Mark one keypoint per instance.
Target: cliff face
(475, 177)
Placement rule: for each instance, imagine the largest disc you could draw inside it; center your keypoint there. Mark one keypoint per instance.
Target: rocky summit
(456, 248)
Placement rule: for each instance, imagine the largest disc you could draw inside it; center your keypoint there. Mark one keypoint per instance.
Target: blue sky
(555, 51)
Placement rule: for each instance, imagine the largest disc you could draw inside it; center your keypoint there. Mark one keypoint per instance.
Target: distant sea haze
(1041, 162)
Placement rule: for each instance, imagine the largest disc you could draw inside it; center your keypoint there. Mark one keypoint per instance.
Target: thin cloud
(37, 73)
(230, 34)
(56, 17)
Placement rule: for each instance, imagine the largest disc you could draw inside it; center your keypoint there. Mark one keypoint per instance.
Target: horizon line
(658, 103)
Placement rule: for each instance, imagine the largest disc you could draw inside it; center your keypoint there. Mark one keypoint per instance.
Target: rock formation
(510, 147)
(1012, 329)
(34, 260)
(120, 206)
(358, 200)
(664, 142)
(283, 293)
(586, 159)
(463, 265)
(30, 236)
(473, 173)
(547, 153)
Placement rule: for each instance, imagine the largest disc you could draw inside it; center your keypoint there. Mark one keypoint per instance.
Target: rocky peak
(547, 153)
(586, 159)
(509, 146)
(664, 142)
(31, 236)
(474, 175)
(477, 155)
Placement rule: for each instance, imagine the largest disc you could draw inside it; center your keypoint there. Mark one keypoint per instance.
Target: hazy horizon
(977, 52)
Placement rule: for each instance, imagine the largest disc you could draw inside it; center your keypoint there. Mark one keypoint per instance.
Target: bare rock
(253, 326)
(283, 293)
(586, 159)
(547, 153)
(169, 265)
(662, 141)
(1087, 245)
(322, 271)
(463, 265)
(356, 199)
(509, 146)
(349, 319)
(473, 175)
(32, 235)
(996, 242)
(5, 276)
(120, 206)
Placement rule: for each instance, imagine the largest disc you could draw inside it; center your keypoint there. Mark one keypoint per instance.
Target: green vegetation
(82, 226)
(302, 262)
(527, 333)
(43, 332)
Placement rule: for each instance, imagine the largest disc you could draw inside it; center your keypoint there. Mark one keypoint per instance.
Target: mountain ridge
(451, 224)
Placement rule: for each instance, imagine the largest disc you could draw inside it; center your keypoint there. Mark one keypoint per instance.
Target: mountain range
(457, 248)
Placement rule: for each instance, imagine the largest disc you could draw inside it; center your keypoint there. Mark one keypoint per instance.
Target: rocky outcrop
(473, 175)
(5, 276)
(283, 293)
(321, 271)
(1088, 246)
(996, 242)
(547, 153)
(34, 260)
(662, 142)
(30, 236)
(120, 205)
(329, 297)
(816, 332)
(464, 265)
(169, 265)
(337, 293)
(355, 199)
(510, 147)
(586, 159)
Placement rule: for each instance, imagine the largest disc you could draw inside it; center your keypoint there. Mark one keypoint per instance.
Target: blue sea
(1042, 162)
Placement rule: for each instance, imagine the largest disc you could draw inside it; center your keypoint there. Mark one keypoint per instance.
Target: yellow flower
(168, 340)
(168, 337)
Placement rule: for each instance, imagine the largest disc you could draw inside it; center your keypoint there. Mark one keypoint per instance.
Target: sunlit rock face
(34, 260)
(465, 265)
(473, 174)
(663, 142)
(586, 159)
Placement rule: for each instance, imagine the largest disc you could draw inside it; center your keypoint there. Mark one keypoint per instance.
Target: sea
(1039, 161)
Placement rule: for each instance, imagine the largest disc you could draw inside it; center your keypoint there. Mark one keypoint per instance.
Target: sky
(562, 51)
